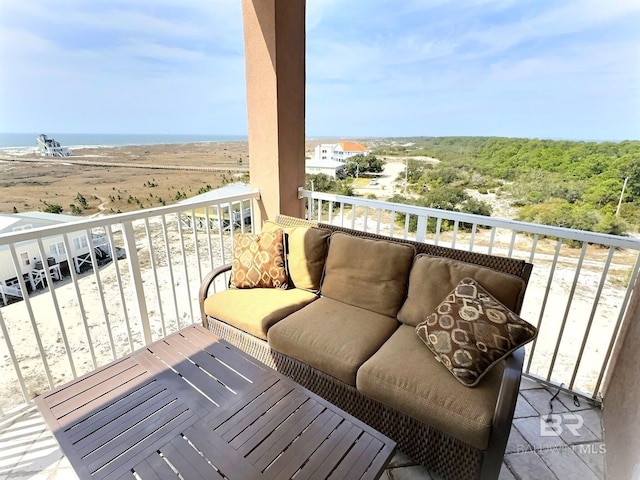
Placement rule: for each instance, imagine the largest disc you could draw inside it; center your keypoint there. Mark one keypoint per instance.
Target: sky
(561, 69)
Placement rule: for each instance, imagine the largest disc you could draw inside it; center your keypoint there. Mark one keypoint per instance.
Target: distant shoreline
(12, 141)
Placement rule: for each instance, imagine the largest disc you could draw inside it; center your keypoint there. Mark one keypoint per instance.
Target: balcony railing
(64, 327)
(577, 295)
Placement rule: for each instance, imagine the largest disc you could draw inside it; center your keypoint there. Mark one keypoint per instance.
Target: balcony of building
(578, 297)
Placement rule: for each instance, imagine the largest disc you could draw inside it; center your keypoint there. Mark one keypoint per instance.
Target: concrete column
(274, 36)
(621, 398)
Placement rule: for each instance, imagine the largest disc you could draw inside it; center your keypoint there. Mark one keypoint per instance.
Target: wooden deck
(194, 405)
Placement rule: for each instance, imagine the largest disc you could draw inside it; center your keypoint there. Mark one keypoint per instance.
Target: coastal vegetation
(562, 183)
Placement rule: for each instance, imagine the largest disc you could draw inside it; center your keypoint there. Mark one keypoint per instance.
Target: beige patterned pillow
(258, 261)
(470, 331)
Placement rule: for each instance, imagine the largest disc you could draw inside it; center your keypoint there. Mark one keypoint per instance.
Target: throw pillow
(258, 261)
(471, 331)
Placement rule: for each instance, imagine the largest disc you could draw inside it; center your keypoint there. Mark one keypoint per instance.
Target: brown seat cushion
(366, 273)
(331, 336)
(432, 279)
(306, 253)
(256, 310)
(405, 375)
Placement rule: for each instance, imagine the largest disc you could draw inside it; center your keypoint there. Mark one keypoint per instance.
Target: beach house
(33, 258)
(338, 152)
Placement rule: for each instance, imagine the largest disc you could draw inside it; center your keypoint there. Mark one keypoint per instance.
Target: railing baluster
(512, 244)
(136, 278)
(56, 307)
(183, 250)
(455, 233)
(567, 310)
(492, 239)
(407, 218)
(32, 317)
(436, 239)
(378, 221)
(76, 285)
(596, 301)
(14, 359)
(623, 308)
(472, 240)
(421, 228)
(543, 306)
(208, 230)
(170, 267)
(154, 270)
(114, 259)
(195, 241)
(534, 245)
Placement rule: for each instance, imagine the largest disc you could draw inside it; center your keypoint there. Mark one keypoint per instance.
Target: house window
(56, 249)
(80, 242)
(24, 258)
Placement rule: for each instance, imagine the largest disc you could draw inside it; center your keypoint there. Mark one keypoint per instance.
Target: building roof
(324, 164)
(226, 191)
(37, 219)
(353, 147)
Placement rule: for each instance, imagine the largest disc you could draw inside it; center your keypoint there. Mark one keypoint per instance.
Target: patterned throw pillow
(258, 261)
(471, 331)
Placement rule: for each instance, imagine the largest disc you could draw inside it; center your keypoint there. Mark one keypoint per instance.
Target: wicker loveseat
(346, 329)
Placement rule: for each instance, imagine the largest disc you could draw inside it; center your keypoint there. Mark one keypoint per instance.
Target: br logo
(554, 424)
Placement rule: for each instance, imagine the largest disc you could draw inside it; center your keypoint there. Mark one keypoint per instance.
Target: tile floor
(570, 447)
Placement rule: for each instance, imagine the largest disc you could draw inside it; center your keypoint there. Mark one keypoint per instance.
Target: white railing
(84, 320)
(577, 294)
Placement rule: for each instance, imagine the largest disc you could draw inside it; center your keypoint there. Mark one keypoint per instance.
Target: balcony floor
(29, 451)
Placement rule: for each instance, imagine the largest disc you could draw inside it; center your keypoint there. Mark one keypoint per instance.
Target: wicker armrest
(206, 285)
(503, 415)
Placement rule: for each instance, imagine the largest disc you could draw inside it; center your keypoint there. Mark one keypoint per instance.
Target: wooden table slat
(145, 429)
(350, 467)
(226, 459)
(308, 442)
(279, 439)
(89, 380)
(153, 467)
(187, 461)
(209, 387)
(236, 420)
(225, 352)
(106, 390)
(145, 447)
(154, 395)
(267, 422)
(338, 443)
(137, 414)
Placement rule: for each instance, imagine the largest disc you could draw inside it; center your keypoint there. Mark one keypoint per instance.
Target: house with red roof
(338, 152)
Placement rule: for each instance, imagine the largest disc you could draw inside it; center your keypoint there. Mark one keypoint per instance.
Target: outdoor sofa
(342, 323)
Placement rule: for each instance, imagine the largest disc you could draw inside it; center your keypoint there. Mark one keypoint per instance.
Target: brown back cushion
(366, 273)
(432, 279)
(306, 252)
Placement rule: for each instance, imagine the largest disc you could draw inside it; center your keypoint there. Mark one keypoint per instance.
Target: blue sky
(516, 68)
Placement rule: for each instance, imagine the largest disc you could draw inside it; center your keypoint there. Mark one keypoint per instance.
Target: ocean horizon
(71, 140)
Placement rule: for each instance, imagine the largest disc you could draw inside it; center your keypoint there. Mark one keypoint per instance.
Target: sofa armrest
(503, 415)
(206, 285)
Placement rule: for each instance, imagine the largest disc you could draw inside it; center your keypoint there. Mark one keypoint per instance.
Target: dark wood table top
(195, 405)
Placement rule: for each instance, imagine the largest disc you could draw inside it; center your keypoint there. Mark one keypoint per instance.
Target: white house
(338, 152)
(31, 264)
(331, 168)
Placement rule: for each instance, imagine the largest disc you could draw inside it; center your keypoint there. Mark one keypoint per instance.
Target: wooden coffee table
(195, 405)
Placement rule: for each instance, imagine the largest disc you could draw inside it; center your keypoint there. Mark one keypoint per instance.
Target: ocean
(71, 140)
